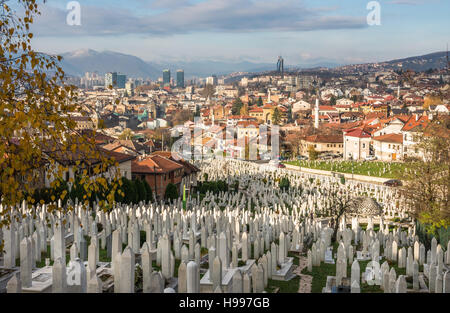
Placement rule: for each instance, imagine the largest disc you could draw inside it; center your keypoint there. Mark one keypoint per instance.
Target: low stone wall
(368, 179)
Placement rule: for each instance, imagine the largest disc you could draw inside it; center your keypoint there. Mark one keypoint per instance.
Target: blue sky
(303, 31)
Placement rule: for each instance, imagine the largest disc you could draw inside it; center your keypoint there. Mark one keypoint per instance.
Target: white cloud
(182, 16)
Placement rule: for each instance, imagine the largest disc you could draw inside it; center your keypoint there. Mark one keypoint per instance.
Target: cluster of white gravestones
(400, 247)
(239, 229)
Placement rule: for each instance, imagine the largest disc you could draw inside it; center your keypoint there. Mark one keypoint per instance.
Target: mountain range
(78, 62)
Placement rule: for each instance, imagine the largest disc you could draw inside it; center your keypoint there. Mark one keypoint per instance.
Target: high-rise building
(180, 79)
(212, 80)
(166, 77)
(129, 86)
(111, 79)
(121, 81)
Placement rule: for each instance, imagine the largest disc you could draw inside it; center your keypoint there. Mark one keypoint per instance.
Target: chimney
(417, 117)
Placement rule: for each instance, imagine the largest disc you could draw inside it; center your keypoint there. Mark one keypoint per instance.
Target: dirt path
(305, 280)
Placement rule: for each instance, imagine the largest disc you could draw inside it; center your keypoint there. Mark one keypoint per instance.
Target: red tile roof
(357, 132)
(325, 138)
(412, 124)
(394, 138)
(154, 164)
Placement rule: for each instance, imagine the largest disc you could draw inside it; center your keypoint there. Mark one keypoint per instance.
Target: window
(364, 145)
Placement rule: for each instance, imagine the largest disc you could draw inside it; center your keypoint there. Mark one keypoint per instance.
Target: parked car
(302, 157)
(281, 165)
(370, 158)
(393, 183)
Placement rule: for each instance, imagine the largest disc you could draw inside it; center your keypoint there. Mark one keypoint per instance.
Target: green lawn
(375, 169)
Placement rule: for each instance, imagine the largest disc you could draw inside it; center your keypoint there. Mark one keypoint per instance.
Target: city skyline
(302, 32)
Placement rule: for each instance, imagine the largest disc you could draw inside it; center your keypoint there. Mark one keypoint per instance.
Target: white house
(410, 131)
(393, 127)
(356, 144)
(388, 147)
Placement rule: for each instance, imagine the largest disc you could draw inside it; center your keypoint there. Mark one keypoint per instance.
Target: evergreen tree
(276, 117)
(290, 116)
(171, 192)
(260, 102)
(333, 100)
(129, 190)
(284, 183)
(197, 111)
(140, 188)
(237, 106)
(148, 191)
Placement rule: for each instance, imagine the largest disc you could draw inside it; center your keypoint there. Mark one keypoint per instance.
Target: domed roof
(365, 206)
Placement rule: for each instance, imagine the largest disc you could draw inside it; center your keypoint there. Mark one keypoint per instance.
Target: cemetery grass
(375, 169)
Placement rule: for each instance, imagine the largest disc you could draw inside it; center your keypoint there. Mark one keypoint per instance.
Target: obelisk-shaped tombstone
(59, 283)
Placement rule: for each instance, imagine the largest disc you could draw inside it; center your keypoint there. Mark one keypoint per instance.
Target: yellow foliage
(431, 100)
(38, 139)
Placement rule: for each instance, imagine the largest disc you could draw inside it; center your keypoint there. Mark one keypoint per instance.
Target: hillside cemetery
(250, 237)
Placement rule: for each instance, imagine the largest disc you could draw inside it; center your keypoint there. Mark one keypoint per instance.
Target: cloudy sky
(303, 31)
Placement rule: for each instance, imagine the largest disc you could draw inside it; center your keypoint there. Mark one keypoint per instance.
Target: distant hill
(81, 61)
(78, 62)
(420, 63)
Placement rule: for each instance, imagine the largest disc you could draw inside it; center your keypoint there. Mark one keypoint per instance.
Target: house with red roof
(356, 144)
(410, 131)
(158, 171)
(388, 147)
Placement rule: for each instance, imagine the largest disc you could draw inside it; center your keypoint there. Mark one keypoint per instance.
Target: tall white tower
(316, 114)
(268, 97)
(398, 92)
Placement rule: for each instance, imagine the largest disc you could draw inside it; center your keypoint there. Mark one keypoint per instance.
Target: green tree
(276, 117)
(237, 106)
(140, 188)
(197, 110)
(171, 192)
(290, 117)
(129, 191)
(260, 102)
(284, 183)
(333, 100)
(148, 191)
